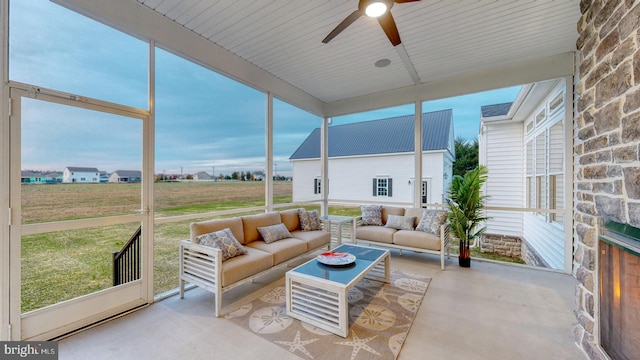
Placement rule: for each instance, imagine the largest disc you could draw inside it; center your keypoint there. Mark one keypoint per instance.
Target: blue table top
(365, 256)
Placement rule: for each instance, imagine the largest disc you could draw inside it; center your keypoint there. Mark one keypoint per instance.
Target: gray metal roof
(82, 169)
(128, 173)
(384, 136)
(495, 109)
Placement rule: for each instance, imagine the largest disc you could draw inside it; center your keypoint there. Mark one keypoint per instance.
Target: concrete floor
(490, 311)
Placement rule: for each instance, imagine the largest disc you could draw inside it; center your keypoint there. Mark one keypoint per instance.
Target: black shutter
(315, 186)
(375, 187)
(390, 187)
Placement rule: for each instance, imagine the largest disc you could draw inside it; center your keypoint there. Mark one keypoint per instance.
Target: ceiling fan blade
(343, 25)
(405, 1)
(389, 27)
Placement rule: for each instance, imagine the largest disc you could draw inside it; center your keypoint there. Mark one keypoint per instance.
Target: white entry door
(68, 219)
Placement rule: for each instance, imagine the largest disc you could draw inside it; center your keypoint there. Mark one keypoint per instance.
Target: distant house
(53, 177)
(73, 174)
(125, 176)
(104, 176)
(523, 145)
(258, 175)
(202, 175)
(31, 177)
(374, 160)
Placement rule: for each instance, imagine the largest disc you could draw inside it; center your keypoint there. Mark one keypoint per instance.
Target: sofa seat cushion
(375, 233)
(417, 239)
(240, 267)
(251, 223)
(314, 239)
(282, 250)
(205, 227)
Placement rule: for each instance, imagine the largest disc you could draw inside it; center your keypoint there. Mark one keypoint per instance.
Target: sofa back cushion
(414, 212)
(391, 210)
(205, 227)
(250, 224)
(290, 219)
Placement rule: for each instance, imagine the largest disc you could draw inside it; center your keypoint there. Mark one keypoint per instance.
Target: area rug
(380, 318)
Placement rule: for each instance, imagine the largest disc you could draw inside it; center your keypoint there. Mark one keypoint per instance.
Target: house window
(382, 186)
(544, 178)
(556, 103)
(317, 186)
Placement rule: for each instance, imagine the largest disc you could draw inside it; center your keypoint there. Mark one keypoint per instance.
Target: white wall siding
(503, 155)
(304, 172)
(546, 239)
(350, 178)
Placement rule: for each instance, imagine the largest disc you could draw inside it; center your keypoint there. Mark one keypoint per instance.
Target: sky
(204, 121)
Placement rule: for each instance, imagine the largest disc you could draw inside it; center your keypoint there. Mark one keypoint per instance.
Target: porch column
(417, 184)
(324, 165)
(268, 193)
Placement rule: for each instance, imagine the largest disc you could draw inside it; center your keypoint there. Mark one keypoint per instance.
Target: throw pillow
(274, 232)
(223, 240)
(309, 220)
(371, 214)
(431, 221)
(400, 222)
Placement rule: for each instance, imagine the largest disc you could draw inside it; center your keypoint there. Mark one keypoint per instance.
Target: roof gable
(384, 136)
(495, 109)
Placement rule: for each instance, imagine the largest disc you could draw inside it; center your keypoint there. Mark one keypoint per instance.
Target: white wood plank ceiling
(442, 38)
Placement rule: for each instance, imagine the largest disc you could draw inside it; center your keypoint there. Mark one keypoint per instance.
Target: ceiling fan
(380, 9)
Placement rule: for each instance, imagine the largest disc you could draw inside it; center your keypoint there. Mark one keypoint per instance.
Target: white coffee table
(318, 294)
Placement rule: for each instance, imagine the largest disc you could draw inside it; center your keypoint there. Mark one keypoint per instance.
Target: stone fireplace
(607, 161)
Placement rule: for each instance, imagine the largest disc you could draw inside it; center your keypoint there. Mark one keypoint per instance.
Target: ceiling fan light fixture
(376, 9)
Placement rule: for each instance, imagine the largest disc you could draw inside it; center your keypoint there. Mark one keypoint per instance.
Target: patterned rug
(380, 318)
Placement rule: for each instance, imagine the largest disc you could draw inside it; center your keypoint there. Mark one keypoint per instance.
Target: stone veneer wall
(502, 245)
(606, 141)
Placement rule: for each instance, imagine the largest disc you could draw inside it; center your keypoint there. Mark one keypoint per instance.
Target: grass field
(62, 265)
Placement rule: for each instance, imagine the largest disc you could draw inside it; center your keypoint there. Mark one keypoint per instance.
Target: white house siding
(546, 239)
(80, 177)
(503, 155)
(350, 178)
(304, 172)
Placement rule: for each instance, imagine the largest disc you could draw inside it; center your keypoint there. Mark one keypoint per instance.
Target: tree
(466, 156)
(234, 175)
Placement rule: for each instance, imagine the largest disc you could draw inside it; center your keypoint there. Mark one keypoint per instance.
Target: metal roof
(128, 173)
(82, 169)
(495, 109)
(384, 136)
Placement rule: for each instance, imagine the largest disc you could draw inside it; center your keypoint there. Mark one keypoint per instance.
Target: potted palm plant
(466, 204)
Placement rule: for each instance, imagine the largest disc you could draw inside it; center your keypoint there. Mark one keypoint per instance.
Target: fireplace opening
(619, 290)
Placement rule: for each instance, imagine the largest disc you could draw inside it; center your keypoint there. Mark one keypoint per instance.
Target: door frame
(58, 319)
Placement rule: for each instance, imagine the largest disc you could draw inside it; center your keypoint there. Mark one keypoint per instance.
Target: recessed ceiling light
(383, 63)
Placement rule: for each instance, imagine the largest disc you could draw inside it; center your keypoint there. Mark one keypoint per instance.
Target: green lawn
(62, 265)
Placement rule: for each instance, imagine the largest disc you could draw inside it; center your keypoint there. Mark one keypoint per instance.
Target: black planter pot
(464, 259)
